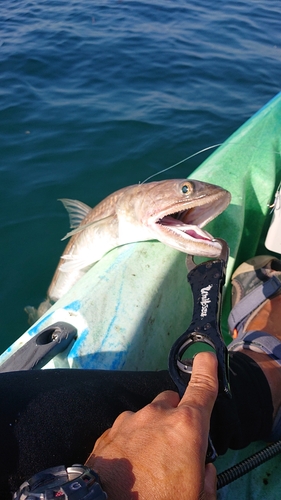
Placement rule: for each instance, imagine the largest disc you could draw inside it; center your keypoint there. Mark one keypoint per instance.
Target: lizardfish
(171, 211)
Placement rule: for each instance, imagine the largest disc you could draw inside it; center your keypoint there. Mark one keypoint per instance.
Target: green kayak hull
(132, 305)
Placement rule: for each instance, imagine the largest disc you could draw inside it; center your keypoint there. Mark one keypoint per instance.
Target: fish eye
(185, 189)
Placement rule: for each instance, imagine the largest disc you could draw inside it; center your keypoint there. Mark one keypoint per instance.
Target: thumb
(210, 483)
(202, 389)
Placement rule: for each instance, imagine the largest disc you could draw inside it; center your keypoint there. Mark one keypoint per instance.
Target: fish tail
(34, 314)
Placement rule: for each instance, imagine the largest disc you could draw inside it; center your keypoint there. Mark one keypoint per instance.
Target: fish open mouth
(182, 229)
(188, 223)
(175, 223)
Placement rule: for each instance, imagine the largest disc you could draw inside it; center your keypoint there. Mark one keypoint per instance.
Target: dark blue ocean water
(96, 95)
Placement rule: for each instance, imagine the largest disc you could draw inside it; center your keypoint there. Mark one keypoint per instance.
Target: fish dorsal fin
(77, 211)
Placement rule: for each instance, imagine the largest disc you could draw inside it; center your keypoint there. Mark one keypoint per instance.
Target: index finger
(202, 389)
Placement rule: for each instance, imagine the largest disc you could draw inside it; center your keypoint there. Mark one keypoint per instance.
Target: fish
(172, 211)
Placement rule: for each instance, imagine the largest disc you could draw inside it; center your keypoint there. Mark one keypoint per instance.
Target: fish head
(177, 210)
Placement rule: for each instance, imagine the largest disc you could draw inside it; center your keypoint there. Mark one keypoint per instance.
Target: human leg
(255, 322)
(53, 417)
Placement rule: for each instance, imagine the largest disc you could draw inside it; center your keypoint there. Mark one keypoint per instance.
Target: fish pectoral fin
(84, 226)
(77, 211)
(75, 231)
(74, 263)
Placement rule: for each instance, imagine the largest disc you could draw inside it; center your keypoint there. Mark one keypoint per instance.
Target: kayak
(126, 312)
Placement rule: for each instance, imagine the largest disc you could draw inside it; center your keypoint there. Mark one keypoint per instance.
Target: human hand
(159, 452)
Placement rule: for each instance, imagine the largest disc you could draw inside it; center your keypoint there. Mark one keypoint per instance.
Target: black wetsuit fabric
(53, 417)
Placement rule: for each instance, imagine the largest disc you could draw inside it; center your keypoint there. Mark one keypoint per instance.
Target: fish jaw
(180, 224)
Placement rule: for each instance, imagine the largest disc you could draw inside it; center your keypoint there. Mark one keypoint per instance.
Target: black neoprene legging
(53, 417)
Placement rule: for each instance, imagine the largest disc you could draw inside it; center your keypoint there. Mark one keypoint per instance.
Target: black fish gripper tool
(206, 281)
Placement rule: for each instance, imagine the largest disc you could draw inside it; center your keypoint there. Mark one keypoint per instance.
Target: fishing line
(199, 152)
(181, 161)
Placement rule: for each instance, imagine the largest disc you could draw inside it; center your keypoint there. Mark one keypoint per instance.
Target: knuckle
(119, 421)
(205, 386)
